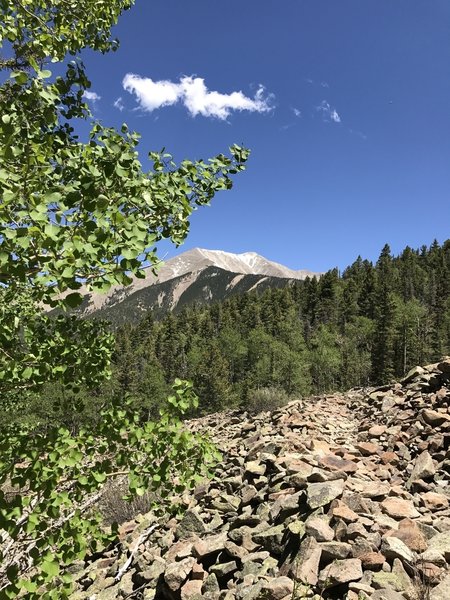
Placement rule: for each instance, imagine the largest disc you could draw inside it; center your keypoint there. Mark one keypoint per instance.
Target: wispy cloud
(297, 112)
(92, 96)
(323, 84)
(195, 96)
(118, 103)
(360, 134)
(328, 113)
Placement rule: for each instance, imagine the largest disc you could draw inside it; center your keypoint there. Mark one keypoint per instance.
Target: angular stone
(441, 592)
(392, 547)
(277, 588)
(177, 572)
(254, 468)
(321, 494)
(433, 417)
(389, 458)
(340, 510)
(367, 448)
(190, 523)
(434, 501)
(211, 585)
(191, 589)
(377, 430)
(409, 532)
(223, 569)
(387, 594)
(413, 374)
(297, 467)
(297, 527)
(307, 563)
(226, 503)
(271, 539)
(336, 463)
(319, 529)
(398, 508)
(383, 580)
(341, 571)
(335, 550)
(423, 467)
(441, 543)
(374, 489)
(285, 505)
(372, 561)
(209, 545)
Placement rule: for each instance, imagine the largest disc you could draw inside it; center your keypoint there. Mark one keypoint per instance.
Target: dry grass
(114, 509)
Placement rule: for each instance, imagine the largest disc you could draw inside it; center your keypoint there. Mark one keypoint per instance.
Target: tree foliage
(364, 327)
(75, 214)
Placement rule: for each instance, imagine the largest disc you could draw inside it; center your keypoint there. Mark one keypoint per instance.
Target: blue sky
(345, 105)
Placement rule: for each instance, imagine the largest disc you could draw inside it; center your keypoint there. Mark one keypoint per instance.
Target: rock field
(344, 497)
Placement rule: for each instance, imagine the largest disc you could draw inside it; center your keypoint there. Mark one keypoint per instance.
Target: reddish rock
(372, 561)
(177, 572)
(278, 588)
(389, 458)
(377, 430)
(341, 511)
(434, 501)
(433, 417)
(410, 534)
(341, 571)
(335, 463)
(398, 508)
(367, 448)
(191, 589)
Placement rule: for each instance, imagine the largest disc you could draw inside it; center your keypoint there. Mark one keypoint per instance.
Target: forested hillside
(365, 326)
(368, 325)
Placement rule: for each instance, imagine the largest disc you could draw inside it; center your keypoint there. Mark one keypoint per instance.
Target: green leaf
(73, 300)
(51, 568)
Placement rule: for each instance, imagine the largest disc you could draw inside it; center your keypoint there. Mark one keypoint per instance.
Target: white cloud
(297, 112)
(119, 104)
(328, 113)
(92, 96)
(324, 84)
(195, 96)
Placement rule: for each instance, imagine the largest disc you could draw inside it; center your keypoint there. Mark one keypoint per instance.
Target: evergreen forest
(365, 326)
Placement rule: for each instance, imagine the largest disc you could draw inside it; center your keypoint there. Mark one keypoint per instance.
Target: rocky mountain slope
(198, 275)
(344, 497)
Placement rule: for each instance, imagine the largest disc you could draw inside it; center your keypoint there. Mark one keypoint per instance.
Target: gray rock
(223, 569)
(189, 524)
(319, 528)
(277, 589)
(210, 545)
(322, 494)
(441, 543)
(306, 565)
(271, 539)
(176, 573)
(335, 550)
(441, 592)
(393, 547)
(341, 571)
(423, 467)
(387, 594)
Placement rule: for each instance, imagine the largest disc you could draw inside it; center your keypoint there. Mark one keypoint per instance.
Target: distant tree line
(365, 326)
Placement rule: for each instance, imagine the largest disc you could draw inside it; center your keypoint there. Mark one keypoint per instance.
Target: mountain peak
(197, 275)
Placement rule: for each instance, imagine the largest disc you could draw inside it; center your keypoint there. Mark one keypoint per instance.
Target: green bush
(266, 399)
